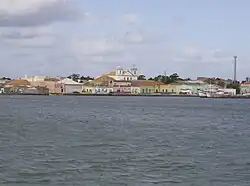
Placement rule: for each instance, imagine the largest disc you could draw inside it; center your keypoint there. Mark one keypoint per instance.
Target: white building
(34, 78)
(68, 86)
(122, 74)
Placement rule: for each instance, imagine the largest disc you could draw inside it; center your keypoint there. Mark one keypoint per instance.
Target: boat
(202, 95)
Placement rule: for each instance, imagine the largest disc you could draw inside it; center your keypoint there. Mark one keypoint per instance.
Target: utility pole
(235, 69)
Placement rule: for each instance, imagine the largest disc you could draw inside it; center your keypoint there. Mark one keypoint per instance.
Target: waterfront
(64, 140)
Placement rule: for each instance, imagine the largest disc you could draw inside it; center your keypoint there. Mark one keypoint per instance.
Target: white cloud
(130, 18)
(35, 12)
(134, 37)
(32, 42)
(28, 37)
(97, 47)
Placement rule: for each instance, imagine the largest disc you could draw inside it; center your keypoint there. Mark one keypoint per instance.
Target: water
(137, 141)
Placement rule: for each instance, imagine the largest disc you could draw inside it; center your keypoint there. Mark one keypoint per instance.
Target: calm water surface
(124, 141)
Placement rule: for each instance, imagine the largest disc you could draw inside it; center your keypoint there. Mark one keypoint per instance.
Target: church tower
(134, 70)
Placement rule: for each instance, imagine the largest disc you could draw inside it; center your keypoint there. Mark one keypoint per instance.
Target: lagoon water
(137, 141)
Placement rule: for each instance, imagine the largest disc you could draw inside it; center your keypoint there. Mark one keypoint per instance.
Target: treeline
(164, 78)
(5, 78)
(79, 78)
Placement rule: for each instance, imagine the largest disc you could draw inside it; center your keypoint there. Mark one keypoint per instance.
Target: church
(122, 74)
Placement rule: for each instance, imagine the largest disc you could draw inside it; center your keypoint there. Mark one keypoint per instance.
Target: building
(245, 88)
(4, 80)
(146, 86)
(100, 85)
(121, 86)
(173, 88)
(122, 74)
(23, 87)
(47, 82)
(68, 86)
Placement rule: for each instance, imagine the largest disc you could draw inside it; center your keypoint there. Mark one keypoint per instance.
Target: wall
(171, 88)
(122, 89)
(135, 90)
(229, 91)
(147, 89)
(69, 89)
(245, 88)
(51, 85)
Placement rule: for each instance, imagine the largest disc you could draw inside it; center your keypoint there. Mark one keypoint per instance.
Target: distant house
(146, 86)
(121, 86)
(43, 81)
(245, 88)
(23, 87)
(68, 86)
(122, 74)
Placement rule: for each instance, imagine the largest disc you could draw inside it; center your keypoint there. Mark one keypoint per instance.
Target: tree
(83, 78)
(141, 77)
(6, 78)
(235, 86)
(74, 77)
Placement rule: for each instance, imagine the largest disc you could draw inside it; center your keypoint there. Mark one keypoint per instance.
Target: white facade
(69, 86)
(135, 90)
(228, 91)
(245, 88)
(97, 90)
(34, 78)
(126, 74)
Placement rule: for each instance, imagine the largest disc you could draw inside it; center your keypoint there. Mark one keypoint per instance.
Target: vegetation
(235, 86)
(79, 78)
(5, 78)
(141, 77)
(168, 79)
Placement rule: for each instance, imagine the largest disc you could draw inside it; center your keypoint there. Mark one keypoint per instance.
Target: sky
(92, 37)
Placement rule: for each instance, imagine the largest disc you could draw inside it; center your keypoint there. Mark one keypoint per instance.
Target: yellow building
(147, 86)
(173, 88)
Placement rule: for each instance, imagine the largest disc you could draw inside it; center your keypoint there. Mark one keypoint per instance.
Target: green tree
(74, 77)
(141, 77)
(235, 86)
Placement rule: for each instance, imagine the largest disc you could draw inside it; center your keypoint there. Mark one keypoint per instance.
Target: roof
(103, 78)
(51, 79)
(68, 81)
(19, 82)
(194, 82)
(111, 73)
(122, 81)
(146, 83)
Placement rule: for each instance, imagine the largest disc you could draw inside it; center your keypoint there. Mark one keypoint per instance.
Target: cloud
(130, 18)
(19, 13)
(199, 55)
(97, 47)
(134, 37)
(28, 37)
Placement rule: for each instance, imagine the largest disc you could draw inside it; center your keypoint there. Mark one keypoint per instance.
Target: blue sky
(91, 37)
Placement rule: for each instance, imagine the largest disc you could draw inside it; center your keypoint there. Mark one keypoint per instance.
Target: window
(172, 90)
(142, 90)
(156, 90)
(146, 90)
(149, 90)
(166, 90)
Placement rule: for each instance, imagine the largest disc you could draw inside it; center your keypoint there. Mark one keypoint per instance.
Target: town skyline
(92, 37)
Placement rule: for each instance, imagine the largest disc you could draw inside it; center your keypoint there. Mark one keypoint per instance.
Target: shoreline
(133, 95)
